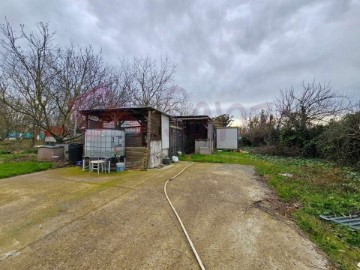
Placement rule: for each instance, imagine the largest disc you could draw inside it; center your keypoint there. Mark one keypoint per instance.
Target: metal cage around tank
(104, 143)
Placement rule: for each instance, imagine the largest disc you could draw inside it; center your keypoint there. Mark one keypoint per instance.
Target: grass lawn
(23, 167)
(18, 157)
(318, 188)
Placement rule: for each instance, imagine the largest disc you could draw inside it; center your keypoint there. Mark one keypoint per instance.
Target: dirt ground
(68, 219)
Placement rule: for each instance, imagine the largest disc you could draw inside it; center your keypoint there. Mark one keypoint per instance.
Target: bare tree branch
(43, 82)
(149, 83)
(317, 102)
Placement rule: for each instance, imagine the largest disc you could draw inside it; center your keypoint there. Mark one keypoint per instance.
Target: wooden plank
(136, 157)
(148, 138)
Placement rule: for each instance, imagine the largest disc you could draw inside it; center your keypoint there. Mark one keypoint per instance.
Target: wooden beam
(87, 122)
(148, 137)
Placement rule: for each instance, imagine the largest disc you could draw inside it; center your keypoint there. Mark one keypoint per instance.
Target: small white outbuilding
(227, 138)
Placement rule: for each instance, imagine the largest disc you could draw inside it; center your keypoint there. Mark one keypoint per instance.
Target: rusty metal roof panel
(122, 109)
(193, 117)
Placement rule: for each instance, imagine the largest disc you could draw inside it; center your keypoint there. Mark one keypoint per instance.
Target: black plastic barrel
(75, 152)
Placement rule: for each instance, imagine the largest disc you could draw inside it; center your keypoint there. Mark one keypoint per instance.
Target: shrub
(340, 142)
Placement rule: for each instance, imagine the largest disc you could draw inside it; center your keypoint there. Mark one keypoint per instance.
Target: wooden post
(148, 138)
(115, 120)
(87, 121)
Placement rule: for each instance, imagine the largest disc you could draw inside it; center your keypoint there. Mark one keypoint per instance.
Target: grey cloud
(225, 51)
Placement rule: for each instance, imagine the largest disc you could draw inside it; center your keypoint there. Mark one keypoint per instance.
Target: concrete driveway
(68, 219)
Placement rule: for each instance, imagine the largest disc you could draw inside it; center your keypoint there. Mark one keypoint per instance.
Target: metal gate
(176, 141)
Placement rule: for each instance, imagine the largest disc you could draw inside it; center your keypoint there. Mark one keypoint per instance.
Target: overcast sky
(228, 53)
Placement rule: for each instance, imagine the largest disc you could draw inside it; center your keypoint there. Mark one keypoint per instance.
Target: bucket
(166, 161)
(120, 166)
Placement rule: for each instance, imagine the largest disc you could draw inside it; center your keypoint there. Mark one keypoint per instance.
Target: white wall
(226, 138)
(155, 154)
(165, 129)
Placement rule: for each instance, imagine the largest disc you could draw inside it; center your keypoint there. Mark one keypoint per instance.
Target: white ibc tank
(104, 143)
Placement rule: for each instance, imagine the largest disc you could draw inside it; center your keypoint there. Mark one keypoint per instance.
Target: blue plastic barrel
(120, 166)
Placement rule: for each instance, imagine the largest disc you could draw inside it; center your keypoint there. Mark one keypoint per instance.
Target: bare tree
(186, 108)
(24, 70)
(317, 102)
(83, 81)
(12, 121)
(150, 83)
(42, 81)
(48, 85)
(302, 115)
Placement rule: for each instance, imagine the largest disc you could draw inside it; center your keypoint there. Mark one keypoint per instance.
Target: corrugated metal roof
(353, 221)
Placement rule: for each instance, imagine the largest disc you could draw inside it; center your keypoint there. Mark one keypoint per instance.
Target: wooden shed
(147, 139)
(198, 133)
